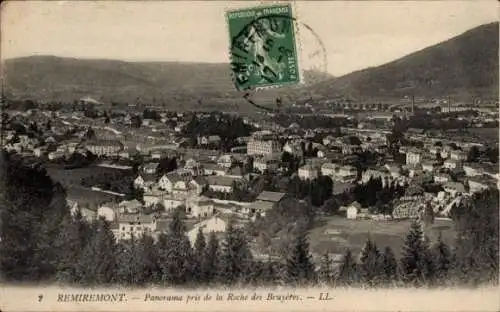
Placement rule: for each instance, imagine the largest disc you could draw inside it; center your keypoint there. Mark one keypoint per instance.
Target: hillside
(462, 66)
(169, 83)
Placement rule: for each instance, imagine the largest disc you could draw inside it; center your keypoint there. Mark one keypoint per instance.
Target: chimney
(413, 104)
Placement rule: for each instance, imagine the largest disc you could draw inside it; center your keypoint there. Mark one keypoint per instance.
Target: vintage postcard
(249, 156)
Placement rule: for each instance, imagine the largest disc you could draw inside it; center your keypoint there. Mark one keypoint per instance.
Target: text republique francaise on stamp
(263, 48)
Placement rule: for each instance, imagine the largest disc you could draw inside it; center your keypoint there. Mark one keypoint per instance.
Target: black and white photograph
(249, 155)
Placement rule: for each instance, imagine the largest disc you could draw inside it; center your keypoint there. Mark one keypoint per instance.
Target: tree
(97, 264)
(199, 256)
(477, 223)
(210, 264)
(235, 256)
(416, 262)
(442, 260)
(347, 274)
(389, 267)
(354, 140)
(138, 261)
(370, 268)
(473, 154)
(72, 240)
(32, 209)
(300, 269)
(175, 253)
(325, 270)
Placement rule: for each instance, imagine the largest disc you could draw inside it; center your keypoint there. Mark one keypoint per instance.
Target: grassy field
(335, 234)
(488, 134)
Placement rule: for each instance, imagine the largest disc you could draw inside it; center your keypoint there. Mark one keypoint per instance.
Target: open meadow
(334, 234)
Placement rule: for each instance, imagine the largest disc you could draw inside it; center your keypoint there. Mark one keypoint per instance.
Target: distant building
(352, 210)
(136, 225)
(413, 157)
(308, 172)
(104, 147)
(263, 143)
(221, 184)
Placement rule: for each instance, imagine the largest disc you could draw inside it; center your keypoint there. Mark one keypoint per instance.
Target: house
(328, 140)
(350, 149)
(413, 157)
(213, 169)
(208, 139)
(150, 168)
(271, 197)
(225, 161)
(394, 170)
(452, 164)
(346, 173)
(473, 169)
(429, 166)
(134, 225)
(200, 207)
(458, 155)
(308, 172)
(107, 212)
(222, 184)
(454, 188)
(104, 147)
(262, 164)
(476, 185)
(130, 206)
(215, 224)
(263, 143)
(198, 184)
(442, 177)
(329, 169)
(145, 181)
(352, 210)
(434, 150)
(56, 155)
(168, 181)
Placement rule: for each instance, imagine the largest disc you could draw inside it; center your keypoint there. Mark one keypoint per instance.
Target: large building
(263, 143)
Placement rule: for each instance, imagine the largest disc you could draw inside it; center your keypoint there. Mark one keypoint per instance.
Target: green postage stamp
(263, 47)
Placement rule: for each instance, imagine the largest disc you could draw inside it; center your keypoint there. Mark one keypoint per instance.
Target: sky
(354, 34)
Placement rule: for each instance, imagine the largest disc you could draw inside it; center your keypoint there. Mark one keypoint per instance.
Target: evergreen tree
(442, 260)
(325, 270)
(416, 261)
(389, 267)
(348, 274)
(97, 263)
(32, 208)
(176, 254)
(199, 255)
(300, 269)
(269, 274)
(211, 258)
(138, 261)
(71, 242)
(370, 268)
(235, 257)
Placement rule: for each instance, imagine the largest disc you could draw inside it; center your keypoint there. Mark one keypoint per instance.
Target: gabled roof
(356, 205)
(235, 171)
(142, 218)
(221, 180)
(271, 196)
(459, 187)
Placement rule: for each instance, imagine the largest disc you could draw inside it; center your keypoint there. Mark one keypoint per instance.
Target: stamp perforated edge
(296, 41)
